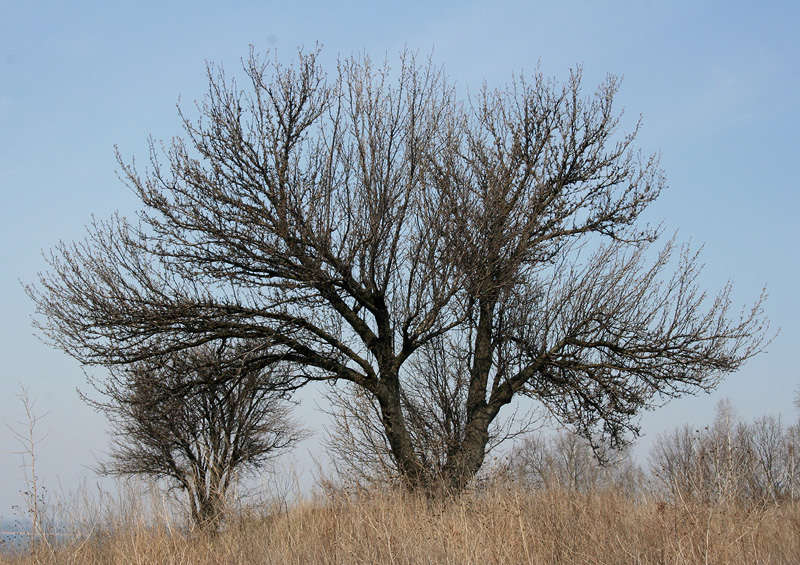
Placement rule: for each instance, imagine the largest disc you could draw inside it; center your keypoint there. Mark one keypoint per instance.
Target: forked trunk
(461, 466)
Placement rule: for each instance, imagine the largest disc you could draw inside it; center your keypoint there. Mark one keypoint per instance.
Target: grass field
(503, 523)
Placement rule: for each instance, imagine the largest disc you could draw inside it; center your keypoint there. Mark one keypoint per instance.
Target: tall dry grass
(504, 523)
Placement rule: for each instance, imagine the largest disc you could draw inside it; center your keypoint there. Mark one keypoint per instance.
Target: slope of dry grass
(503, 524)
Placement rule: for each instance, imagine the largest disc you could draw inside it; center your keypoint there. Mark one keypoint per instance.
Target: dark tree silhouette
(353, 221)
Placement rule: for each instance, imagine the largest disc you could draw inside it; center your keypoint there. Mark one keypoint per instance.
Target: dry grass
(504, 524)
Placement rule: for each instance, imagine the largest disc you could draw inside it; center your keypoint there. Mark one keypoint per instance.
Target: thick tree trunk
(414, 475)
(463, 465)
(464, 462)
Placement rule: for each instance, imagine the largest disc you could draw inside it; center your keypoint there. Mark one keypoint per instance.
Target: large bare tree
(352, 221)
(198, 419)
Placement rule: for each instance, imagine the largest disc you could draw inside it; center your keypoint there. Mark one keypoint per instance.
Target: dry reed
(501, 524)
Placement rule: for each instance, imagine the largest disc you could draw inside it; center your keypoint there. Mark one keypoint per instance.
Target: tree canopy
(374, 227)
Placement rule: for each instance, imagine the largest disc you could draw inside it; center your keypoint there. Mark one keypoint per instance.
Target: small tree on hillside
(198, 419)
(351, 222)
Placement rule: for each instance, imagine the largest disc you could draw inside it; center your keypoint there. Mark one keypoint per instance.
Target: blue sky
(717, 85)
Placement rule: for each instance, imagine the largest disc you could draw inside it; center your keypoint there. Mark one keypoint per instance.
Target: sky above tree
(718, 91)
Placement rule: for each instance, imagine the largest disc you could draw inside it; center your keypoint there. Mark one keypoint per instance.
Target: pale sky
(717, 85)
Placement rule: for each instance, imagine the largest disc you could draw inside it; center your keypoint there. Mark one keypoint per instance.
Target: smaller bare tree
(713, 464)
(34, 495)
(197, 419)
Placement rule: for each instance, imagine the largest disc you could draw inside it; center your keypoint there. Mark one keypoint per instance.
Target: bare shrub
(570, 462)
(728, 461)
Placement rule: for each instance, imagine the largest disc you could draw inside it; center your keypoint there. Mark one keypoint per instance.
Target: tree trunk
(463, 465)
(411, 469)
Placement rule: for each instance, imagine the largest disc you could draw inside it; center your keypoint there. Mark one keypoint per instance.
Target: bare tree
(35, 494)
(198, 418)
(352, 221)
(728, 461)
(569, 461)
